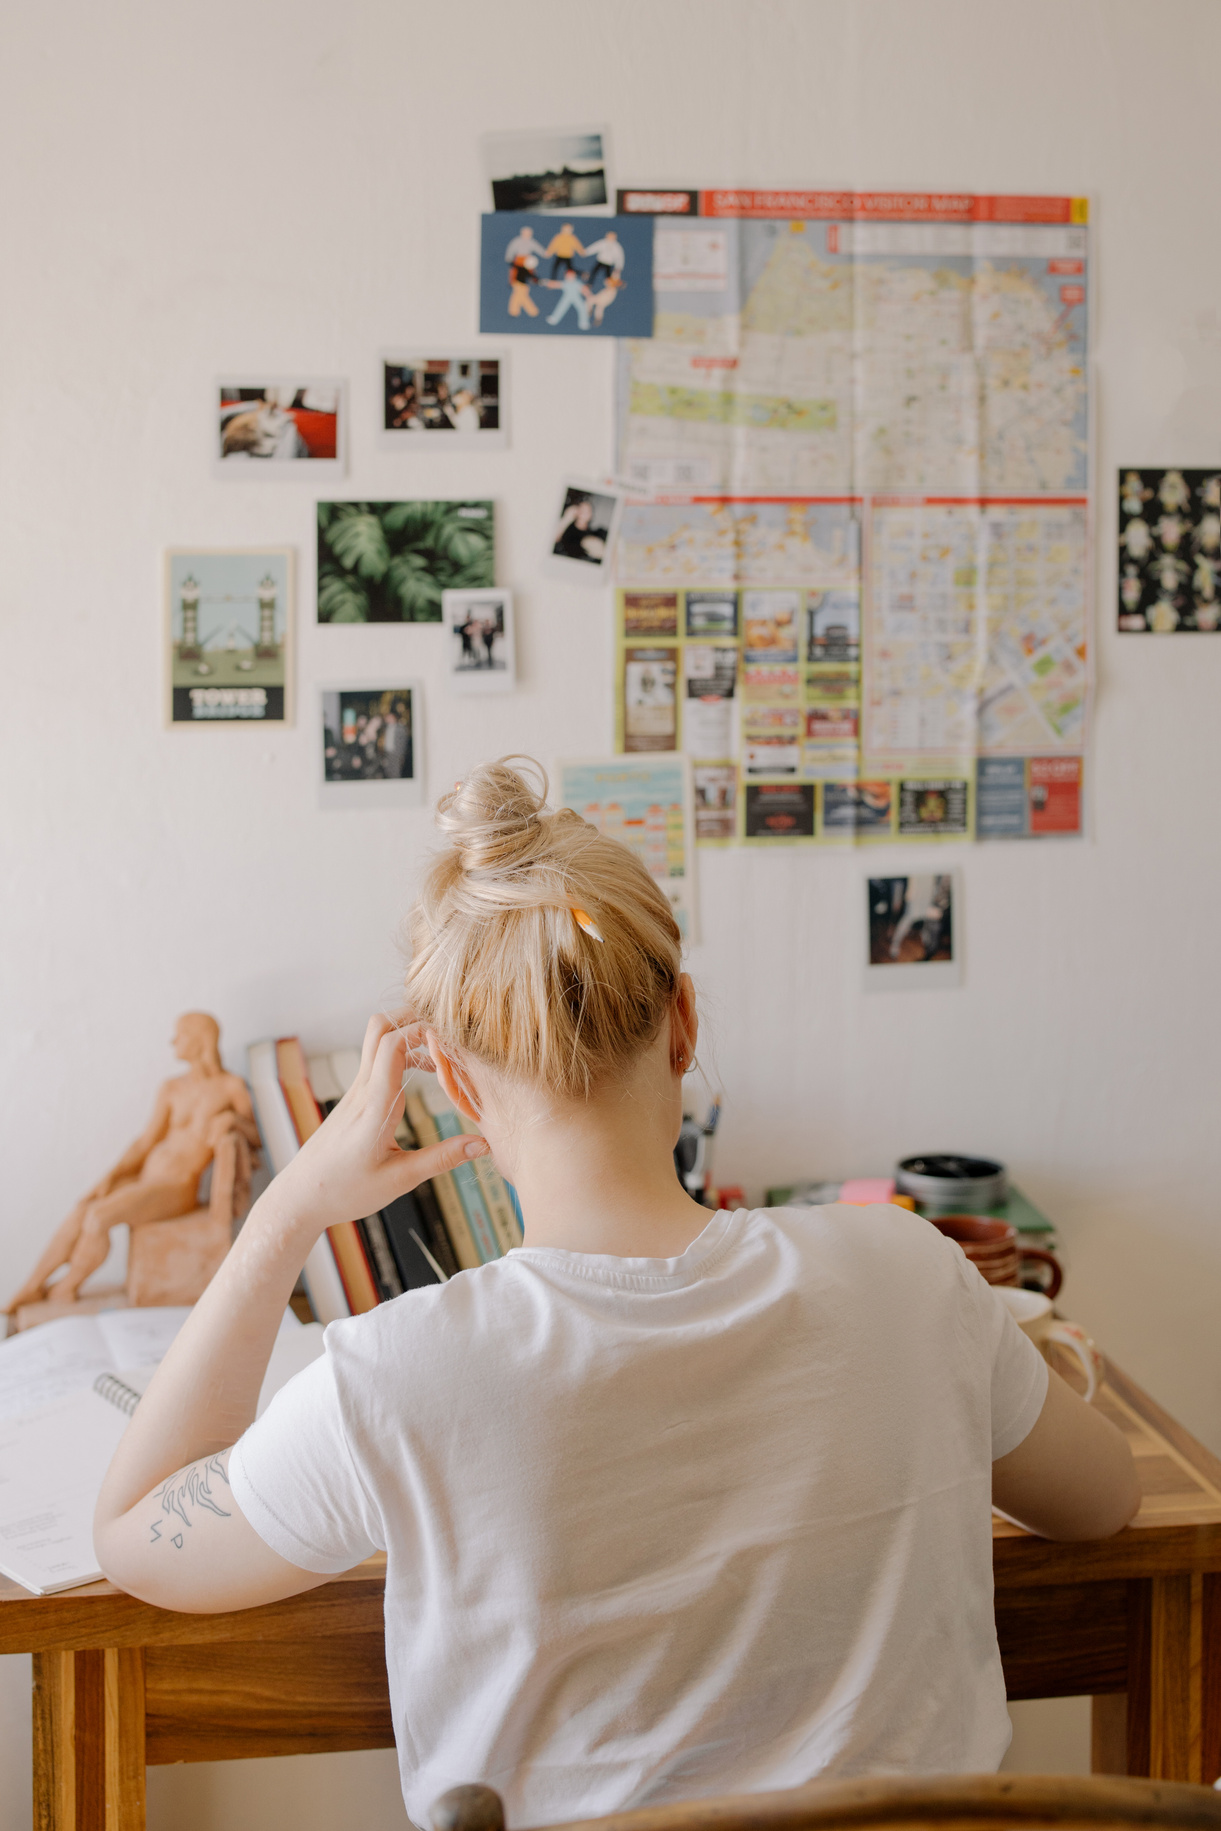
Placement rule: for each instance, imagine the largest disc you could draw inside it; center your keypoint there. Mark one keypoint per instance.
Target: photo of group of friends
(367, 735)
(370, 744)
(459, 396)
(578, 275)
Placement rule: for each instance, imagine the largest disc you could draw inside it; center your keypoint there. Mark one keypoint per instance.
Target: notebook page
(51, 1466)
(42, 1365)
(141, 1337)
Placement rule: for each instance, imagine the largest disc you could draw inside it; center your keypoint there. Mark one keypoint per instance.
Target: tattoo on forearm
(189, 1489)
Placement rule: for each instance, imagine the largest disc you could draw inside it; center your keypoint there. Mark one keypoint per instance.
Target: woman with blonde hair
(673, 1503)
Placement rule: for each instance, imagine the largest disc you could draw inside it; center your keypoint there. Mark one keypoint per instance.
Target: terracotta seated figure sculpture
(201, 1117)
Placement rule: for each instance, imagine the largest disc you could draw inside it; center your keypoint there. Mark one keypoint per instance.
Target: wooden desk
(1134, 1620)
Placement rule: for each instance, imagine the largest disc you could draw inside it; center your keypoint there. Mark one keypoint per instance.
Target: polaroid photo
(548, 169)
(459, 395)
(583, 535)
(228, 636)
(279, 427)
(913, 931)
(371, 745)
(480, 655)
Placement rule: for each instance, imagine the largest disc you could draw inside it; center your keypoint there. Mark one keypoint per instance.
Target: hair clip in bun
(588, 924)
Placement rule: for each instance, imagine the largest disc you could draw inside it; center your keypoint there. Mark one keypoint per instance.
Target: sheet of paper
(139, 1337)
(48, 1363)
(645, 803)
(52, 1462)
(44, 1364)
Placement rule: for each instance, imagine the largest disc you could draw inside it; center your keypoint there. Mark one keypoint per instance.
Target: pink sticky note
(861, 1190)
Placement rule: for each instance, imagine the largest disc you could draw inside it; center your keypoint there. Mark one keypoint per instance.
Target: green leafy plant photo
(389, 562)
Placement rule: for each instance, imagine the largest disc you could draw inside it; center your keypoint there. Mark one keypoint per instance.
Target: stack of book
(454, 1223)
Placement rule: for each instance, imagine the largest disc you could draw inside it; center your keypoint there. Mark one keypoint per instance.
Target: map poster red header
(895, 206)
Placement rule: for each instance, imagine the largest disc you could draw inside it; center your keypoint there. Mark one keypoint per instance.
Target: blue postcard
(566, 276)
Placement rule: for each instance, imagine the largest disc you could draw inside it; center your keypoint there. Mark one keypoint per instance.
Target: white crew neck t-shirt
(661, 1528)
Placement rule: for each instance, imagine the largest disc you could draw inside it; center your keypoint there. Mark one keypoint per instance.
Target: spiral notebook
(53, 1460)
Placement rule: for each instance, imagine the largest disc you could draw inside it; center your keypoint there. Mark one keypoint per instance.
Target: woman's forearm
(204, 1394)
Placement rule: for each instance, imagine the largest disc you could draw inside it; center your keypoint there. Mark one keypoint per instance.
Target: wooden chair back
(959, 1802)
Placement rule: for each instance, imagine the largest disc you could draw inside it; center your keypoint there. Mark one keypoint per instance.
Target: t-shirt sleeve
(294, 1478)
(1019, 1372)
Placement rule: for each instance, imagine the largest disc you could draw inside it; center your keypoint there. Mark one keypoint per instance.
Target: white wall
(287, 184)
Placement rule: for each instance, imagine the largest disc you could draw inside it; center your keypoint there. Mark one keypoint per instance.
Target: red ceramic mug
(992, 1247)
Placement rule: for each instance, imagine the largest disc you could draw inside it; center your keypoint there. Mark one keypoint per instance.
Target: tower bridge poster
(228, 622)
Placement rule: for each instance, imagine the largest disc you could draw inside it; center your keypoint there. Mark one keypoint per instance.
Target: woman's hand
(352, 1167)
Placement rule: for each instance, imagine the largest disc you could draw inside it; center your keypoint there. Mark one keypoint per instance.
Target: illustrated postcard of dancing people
(566, 276)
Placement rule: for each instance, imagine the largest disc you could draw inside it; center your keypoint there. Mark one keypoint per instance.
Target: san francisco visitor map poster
(853, 569)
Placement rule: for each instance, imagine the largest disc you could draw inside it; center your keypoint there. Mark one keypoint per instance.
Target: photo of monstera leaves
(389, 562)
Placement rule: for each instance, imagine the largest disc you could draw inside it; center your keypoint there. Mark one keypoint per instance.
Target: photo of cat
(268, 427)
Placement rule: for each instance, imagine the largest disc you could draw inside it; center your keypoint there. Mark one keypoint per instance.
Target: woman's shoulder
(424, 1315)
(881, 1232)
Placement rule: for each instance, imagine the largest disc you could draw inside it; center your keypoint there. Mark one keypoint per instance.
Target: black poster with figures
(1169, 550)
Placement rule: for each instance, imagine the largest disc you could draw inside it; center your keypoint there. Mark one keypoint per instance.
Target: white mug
(1032, 1313)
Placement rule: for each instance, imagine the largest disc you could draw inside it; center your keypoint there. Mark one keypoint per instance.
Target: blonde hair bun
(501, 968)
(494, 817)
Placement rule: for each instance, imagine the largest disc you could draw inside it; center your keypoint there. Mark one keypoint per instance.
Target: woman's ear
(458, 1090)
(684, 1026)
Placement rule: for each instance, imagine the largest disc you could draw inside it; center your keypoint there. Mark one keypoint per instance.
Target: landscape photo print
(228, 623)
(390, 562)
(548, 169)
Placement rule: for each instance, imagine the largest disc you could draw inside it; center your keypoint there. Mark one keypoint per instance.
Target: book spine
(408, 1241)
(270, 1107)
(436, 1237)
(320, 1274)
(377, 1250)
(354, 1269)
(450, 1126)
(495, 1198)
(294, 1079)
(448, 1200)
(347, 1248)
(495, 1194)
(515, 1205)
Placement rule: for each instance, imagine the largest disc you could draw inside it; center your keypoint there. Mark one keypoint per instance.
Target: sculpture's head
(197, 1040)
